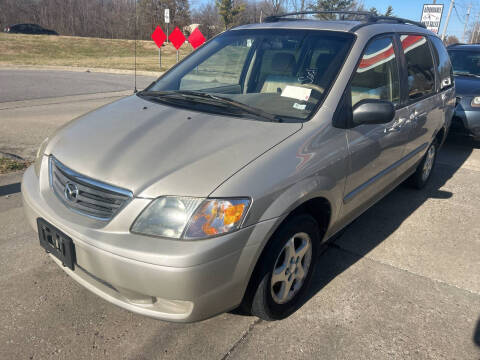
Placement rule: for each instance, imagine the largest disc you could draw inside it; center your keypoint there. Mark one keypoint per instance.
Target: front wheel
(424, 170)
(286, 268)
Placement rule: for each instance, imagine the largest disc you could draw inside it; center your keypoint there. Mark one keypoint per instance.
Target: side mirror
(372, 111)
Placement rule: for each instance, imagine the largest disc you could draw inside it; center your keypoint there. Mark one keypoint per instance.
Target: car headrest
(283, 63)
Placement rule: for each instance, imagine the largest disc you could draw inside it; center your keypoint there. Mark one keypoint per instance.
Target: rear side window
(421, 71)
(377, 74)
(444, 66)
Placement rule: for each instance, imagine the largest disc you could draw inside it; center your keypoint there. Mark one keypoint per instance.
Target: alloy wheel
(428, 165)
(291, 268)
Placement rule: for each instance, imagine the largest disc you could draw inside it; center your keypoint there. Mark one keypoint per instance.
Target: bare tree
(300, 5)
(98, 18)
(208, 18)
(451, 39)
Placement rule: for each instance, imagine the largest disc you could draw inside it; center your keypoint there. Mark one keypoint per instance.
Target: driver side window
(377, 74)
(223, 68)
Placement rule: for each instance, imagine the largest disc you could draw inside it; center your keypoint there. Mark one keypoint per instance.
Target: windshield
(465, 62)
(283, 73)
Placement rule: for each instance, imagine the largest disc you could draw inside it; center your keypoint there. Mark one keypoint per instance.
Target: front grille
(84, 195)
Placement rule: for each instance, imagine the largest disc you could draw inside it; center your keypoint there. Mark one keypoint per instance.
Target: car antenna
(135, 61)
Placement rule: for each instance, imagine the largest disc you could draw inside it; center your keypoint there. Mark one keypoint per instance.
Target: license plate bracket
(56, 243)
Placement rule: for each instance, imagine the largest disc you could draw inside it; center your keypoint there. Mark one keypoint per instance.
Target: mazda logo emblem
(71, 192)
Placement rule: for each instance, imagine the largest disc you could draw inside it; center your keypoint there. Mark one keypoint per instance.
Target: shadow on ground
(385, 217)
(476, 334)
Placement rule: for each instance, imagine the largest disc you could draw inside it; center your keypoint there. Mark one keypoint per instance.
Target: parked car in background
(32, 29)
(219, 184)
(466, 69)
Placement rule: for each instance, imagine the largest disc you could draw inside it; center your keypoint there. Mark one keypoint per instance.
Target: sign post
(167, 19)
(177, 39)
(158, 36)
(432, 16)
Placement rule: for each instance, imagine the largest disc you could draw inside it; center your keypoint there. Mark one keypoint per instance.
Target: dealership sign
(432, 16)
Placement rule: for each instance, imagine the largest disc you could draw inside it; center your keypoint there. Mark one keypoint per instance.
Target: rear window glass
(421, 71)
(444, 66)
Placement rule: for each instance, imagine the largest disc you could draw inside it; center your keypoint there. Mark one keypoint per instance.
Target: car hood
(467, 86)
(153, 149)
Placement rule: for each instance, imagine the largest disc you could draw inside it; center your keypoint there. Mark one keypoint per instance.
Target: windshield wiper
(465, 73)
(214, 100)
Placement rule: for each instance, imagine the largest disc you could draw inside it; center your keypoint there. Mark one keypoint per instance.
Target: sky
(412, 9)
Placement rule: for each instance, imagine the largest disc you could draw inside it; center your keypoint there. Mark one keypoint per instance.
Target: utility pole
(474, 31)
(466, 23)
(452, 3)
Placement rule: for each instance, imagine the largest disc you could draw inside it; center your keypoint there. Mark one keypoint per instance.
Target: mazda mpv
(218, 185)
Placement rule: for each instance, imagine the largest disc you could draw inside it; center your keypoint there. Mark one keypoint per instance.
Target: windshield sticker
(296, 92)
(299, 106)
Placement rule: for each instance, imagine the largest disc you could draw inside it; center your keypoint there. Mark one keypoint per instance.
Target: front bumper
(172, 280)
(468, 116)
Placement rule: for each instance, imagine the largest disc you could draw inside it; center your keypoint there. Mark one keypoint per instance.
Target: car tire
(424, 170)
(282, 277)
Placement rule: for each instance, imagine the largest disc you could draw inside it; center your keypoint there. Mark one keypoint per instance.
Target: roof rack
(368, 17)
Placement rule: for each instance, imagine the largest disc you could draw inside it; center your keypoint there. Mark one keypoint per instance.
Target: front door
(375, 149)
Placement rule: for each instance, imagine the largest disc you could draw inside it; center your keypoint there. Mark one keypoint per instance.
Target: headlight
(39, 156)
(191, 218)
(476, 101)
(216, 217)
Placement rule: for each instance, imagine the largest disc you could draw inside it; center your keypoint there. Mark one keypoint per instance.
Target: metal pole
(448, 19)
(167, 33)
(135, 61)
(466, 23)
(473, 35)
(160, 57)
(177, 56)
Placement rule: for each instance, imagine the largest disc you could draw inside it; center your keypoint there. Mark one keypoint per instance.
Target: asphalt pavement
(25, 84)
(403, 282)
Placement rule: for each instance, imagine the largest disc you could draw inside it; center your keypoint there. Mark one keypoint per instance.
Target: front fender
(311, 163)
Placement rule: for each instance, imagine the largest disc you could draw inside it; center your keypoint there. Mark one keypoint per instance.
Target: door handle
(419, 114)
(396, 126)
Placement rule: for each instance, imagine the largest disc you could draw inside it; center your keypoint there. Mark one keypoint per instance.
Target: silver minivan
(218, 185)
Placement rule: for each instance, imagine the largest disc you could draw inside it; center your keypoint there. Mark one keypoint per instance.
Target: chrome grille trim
(95, 199)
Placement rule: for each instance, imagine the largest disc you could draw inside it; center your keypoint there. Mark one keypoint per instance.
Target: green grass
(44, 50)
(9, 165)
